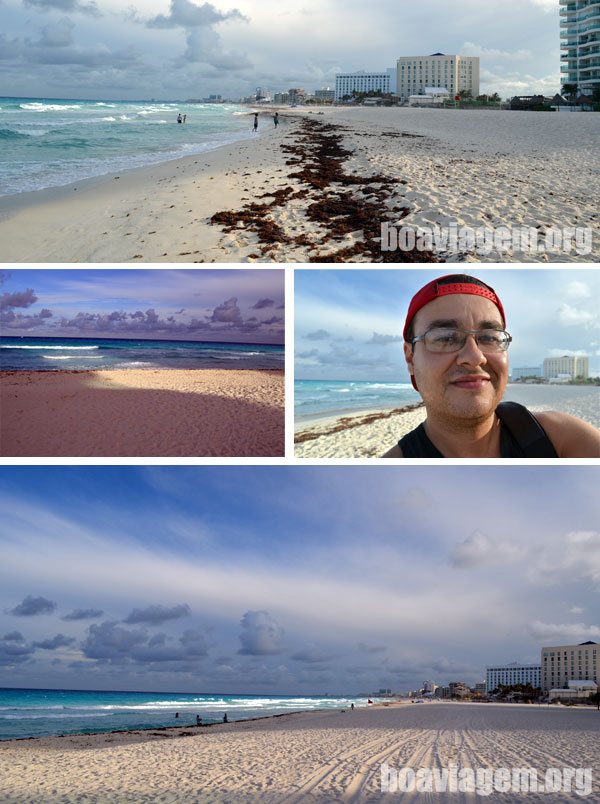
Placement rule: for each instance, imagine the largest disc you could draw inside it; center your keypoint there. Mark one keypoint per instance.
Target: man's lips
(471, 382)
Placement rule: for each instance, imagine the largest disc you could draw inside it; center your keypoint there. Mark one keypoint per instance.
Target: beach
(319, 757)
(318, 187)
(138, 413)
(368, 434)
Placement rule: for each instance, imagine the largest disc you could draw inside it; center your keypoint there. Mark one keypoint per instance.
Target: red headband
(443, 287)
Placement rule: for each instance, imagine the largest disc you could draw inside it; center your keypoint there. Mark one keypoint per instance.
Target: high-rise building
(569, 663)
(567, 366)
(525, 371)
(509, 675)
(580, 44)
(325, 95)
(363, 82)
(454, 73)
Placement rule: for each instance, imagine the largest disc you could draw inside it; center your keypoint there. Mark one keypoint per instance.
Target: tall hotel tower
(580, 44)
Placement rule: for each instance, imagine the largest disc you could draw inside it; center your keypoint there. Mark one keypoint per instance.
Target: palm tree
(570, 90)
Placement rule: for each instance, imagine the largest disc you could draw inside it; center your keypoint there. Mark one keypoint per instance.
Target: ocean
(314, 399)
(47, 354)
(52, 143)
(42, 713)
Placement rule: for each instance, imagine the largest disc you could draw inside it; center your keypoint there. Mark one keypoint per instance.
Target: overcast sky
(243, 306)
(104, 49)
(291, 579)
(348, 323)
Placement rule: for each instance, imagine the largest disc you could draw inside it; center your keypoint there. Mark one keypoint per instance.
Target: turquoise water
(38, 713)
(314, 399)
(51, 143)
(47, 354)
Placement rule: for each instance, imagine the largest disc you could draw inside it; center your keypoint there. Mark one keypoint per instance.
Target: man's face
(467, 384)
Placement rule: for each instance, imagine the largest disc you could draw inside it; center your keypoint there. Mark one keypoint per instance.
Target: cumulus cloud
(83, 614)
(58, 35)
(261, 634)
(575, 610)
(364, 648)
(570, 316)
(577, 290)
(384, 340)
(311, 654)
(559, 632)
(59, 641)
(576, 559)
(14, 636)
(319, 335)
(14, 651)
(32, 606)
(478, 549)
(262, 303)
(228, 312)
(156, 615)
(471, 49)
(109, 641)
(189, 15)
(23, 298)
(90, 9)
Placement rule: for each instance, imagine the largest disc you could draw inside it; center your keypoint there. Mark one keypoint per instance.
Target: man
(455, 346)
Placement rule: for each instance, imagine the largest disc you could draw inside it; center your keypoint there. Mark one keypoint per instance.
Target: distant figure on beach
(351, 706)
(179, 118)
(176, 714)
(276, 119)
(225, 718)
(255, 127)
(198, 720)
(184, 117)
(455, 347)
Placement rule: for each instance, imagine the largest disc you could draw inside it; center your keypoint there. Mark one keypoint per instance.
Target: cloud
(32, 606)
(58, 35)
(319, 335)
(311, 654)
(13, 652)
(194, 642)
(261, 635)
(110, 642)
(185, 14)
(563, 632)
(59, 641)
(549, 6)
(228, 312)
(471, 49)
(23, 298)
(14, 636)
(83, 614)
(262, 303)
(576, 559)
(156, 615)
(573, 317)
(478, 549)
(90, 9)
(577, 290)
(363, 648)
(384, 340)
(576, 610)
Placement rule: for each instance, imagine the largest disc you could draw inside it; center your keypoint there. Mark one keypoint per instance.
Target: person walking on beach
(455, 347)
(184, 117)
(255, 128)
(179, 118)
(225, 718)
(276, 119)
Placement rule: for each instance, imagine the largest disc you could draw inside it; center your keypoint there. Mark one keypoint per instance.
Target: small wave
(69, 348)
(109, 119)
(48, 107)
(10, 134)
(108, 105)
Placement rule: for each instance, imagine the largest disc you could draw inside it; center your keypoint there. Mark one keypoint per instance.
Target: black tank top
(525, 439)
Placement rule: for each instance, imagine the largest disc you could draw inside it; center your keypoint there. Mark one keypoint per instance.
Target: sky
(302, 579)
(178, 49)
(348, 323)
(243, 306)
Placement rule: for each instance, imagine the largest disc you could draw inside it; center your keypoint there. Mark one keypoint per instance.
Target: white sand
(346, 437)
(470, 168)
(310, 757)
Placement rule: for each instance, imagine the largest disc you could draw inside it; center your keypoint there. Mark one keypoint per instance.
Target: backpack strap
(526, 430)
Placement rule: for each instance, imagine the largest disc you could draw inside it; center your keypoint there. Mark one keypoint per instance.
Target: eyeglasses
(442, 339)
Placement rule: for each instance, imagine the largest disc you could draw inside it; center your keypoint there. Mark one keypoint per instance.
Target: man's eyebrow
(453, 323)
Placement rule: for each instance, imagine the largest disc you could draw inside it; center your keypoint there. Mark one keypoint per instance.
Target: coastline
(139, 413)
(357, 168)
(317, 756)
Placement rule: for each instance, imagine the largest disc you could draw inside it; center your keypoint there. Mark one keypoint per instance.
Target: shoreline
(143, 413)
(317, 188)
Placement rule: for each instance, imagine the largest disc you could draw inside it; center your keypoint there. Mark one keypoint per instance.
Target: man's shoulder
(572, 437)
(394, 452)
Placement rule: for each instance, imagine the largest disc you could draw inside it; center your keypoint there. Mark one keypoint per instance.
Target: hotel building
(569, 663)
(580, 44)
(567, 366)
(361, 81)
(454, 73)
(510, 674)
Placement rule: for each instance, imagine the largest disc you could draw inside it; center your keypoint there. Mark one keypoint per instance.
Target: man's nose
(471, 354)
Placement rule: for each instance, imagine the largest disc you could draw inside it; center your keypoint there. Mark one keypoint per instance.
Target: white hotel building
(361, 81)
(580, 44)
(569, 663)
(567, 366)
(454, 73)
(511, 674)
